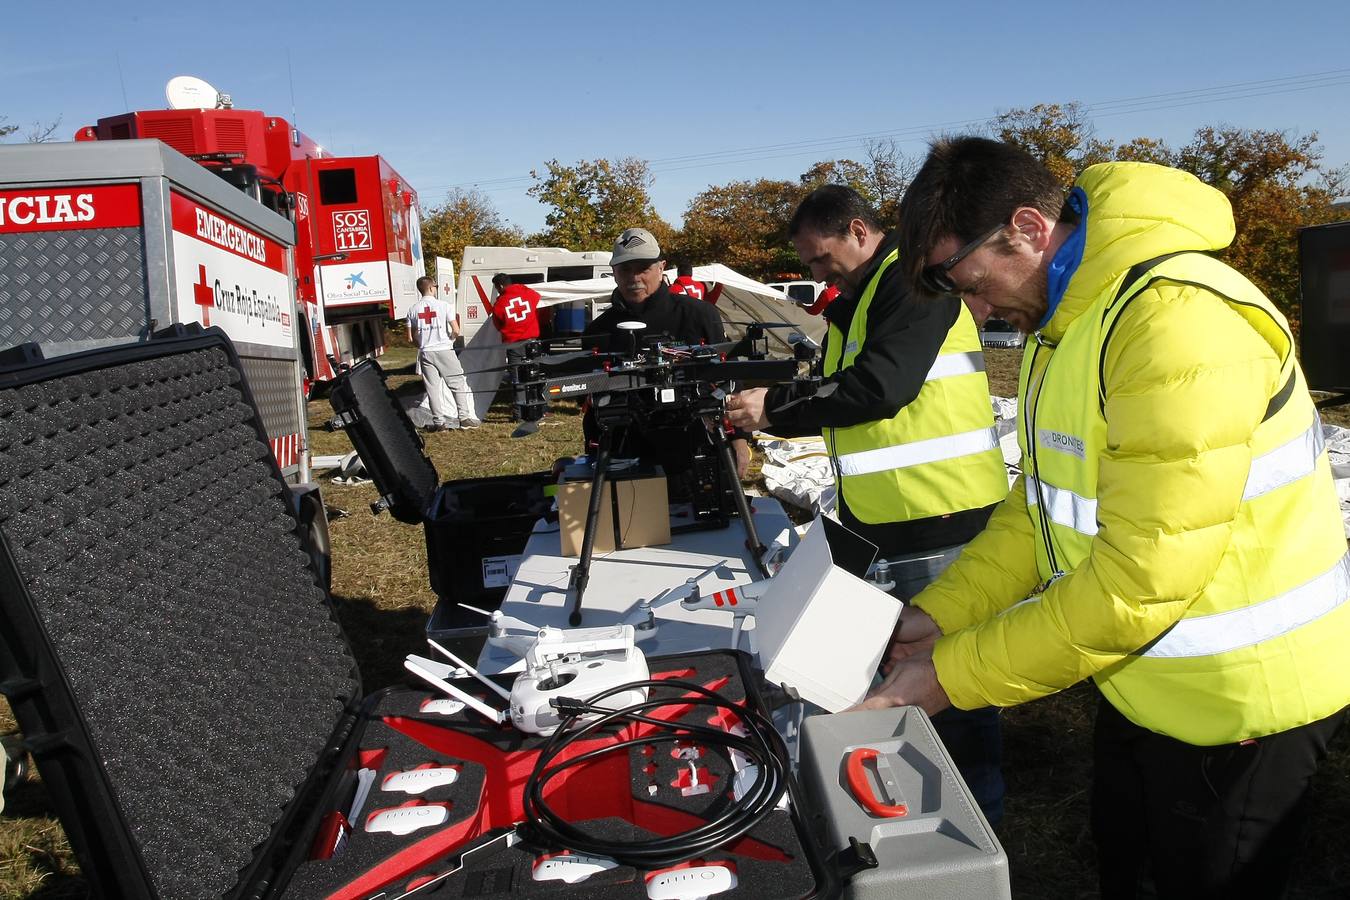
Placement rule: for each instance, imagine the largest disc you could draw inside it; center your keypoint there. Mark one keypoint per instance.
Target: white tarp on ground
(1338, 451)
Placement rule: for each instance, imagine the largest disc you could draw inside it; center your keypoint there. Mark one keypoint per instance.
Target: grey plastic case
(940, 848)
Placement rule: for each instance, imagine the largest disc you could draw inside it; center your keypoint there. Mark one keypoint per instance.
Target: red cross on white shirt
(426, 316)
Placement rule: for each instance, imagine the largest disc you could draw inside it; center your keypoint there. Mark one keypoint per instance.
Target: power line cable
(842, 143)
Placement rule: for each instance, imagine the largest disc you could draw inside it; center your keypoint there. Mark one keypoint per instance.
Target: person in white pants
(432, 326)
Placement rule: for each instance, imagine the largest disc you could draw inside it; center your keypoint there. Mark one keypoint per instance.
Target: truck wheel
(312, 518)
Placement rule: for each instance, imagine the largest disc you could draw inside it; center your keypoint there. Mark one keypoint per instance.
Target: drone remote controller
(578, 664)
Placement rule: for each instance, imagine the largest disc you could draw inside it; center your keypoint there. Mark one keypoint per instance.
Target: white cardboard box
(821, 630)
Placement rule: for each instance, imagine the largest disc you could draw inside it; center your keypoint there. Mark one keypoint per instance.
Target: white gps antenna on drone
(632, 327)
(191, 92)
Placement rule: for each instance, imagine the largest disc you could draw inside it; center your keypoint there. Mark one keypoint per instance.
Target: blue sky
(457, 93)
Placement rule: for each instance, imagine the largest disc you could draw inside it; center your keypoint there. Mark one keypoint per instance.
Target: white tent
(593, 288)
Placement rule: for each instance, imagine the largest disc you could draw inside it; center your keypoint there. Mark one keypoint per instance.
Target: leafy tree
(1275, 181)
(1142, 149)
(1277, 185)
(1059, 135)
(465, 218)
(592, 202)
(882, 179)
(846, 172)
(744, 225)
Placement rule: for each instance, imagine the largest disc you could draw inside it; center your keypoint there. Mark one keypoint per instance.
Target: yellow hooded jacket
(1176, 534)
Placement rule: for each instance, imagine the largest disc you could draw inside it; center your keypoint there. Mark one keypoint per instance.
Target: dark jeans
(971, 736)
(1205, 822)
(519, 410)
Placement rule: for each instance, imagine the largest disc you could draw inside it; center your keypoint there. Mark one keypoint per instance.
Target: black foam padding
(148, 524)
(384, 436)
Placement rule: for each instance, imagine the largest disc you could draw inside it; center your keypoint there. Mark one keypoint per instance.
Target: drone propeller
(538, 342)
(550, 361)
(764, 324)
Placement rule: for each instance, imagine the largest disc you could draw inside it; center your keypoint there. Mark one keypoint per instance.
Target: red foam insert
(599, 788)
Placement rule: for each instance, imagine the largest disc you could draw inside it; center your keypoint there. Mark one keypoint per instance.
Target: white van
(525, 265)
(802, 293)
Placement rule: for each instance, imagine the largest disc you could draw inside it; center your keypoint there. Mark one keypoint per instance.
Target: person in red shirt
(685, 283)
(515, 312)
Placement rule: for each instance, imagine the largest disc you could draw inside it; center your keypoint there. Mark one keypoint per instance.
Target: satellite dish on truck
(190, 92)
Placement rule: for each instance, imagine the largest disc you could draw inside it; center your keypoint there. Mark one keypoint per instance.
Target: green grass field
(380, 583)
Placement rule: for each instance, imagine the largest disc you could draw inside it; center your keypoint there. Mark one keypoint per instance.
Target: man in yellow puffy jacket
(1175, 535)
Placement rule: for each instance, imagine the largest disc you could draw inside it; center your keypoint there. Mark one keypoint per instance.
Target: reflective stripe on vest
(1063, 506)
(949, 364)
(915, 453)
(1250, 625)
(1284, 465)
(937, 454)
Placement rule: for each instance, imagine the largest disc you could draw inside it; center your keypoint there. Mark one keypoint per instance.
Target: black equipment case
(473, 526)
(193, 707)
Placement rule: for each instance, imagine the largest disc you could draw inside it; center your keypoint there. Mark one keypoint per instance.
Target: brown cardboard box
(644, 514)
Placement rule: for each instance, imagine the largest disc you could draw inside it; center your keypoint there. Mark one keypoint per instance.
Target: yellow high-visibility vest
(1262, 648)
(937, 455)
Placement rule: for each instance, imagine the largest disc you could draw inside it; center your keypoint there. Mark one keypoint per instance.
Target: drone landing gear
(742, 505)
(581, 574)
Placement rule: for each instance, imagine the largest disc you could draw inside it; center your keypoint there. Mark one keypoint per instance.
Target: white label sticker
(1061, 442)
(498, 571)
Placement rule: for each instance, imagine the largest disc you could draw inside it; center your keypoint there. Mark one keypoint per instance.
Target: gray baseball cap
(635, 244)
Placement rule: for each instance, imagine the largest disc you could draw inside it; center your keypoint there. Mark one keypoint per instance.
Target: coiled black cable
(761, 745)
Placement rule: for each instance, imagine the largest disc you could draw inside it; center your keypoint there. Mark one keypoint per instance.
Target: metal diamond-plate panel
(273, 383)
(70, 286)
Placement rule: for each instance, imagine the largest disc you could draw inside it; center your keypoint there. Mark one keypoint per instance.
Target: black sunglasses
(936, 278)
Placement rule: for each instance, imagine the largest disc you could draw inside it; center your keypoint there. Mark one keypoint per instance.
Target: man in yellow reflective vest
(904, 409)
(1175, 535)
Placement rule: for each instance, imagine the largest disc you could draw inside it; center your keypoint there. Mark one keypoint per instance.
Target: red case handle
(862, 789)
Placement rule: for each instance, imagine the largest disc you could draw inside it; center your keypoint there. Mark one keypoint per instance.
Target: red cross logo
(426, 316)
(203, 295)
(518, 309)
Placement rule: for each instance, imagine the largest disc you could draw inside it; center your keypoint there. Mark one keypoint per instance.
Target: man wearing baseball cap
(642, 295)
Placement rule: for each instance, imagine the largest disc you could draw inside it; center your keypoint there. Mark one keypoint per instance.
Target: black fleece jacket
(683, 318)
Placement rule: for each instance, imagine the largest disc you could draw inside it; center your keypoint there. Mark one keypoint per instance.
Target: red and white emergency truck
(106, 243)
(357, 229)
